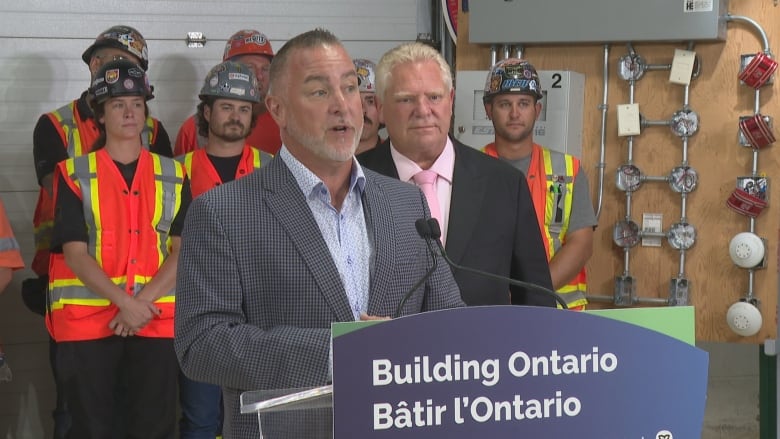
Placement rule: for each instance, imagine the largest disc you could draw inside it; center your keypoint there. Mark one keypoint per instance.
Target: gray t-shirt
(582, 214)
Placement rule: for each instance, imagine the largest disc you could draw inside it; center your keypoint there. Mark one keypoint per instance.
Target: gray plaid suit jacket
(257, 288)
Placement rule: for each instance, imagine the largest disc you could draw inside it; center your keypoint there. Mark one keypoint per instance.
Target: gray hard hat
(231, 80)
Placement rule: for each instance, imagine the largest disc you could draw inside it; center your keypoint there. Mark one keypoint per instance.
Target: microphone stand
(435, 234)
(424, 230)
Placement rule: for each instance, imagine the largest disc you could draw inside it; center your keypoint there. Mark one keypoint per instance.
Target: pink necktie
(425, 179)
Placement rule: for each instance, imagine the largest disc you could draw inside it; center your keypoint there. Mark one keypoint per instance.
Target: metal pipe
(754, 167)
(638, 300)
(649, 67)
(656, 123)
(751, 279)
(597, 298)
(493, 55)
(628, 205)
(601, 166)
(626, 271)
(764, 39)
(506, 49)
(757, 102)
(519, 50)
(652, 301)
(664, 178)
(631, 90)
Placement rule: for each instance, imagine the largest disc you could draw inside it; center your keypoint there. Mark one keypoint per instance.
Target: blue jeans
(201, 409)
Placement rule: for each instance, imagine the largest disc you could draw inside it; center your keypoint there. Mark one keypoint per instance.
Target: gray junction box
(595, 21)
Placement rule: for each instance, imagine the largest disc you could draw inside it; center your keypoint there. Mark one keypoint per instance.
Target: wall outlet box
(628, 120)
(682, 67)
(652, 222)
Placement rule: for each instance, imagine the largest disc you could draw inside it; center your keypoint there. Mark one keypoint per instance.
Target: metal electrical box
(589, 21)
(559, 126)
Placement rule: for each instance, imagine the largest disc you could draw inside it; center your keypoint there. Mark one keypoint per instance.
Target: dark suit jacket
(492, 227)
(257, 288)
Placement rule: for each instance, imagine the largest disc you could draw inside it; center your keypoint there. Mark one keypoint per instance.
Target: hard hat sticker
(238, 76)
(112, 76)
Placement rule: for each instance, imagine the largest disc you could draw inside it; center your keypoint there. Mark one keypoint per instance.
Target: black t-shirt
(225, 166)
(71, 225)
(48, 149)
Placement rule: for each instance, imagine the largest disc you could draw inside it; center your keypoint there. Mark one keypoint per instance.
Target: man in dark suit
(484, 205)
(269, 261)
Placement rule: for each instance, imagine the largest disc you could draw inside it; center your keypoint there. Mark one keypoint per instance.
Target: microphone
(424, 230)
(435, 230)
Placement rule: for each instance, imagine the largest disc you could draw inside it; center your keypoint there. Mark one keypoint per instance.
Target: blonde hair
(409, 53)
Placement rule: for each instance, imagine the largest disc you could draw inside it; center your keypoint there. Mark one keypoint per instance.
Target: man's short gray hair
(314, 38)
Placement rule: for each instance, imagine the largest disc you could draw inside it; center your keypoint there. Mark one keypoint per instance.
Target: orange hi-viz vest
(550, 179)
(265, 136)
(78, 136)
(128, 229)
(203, 176)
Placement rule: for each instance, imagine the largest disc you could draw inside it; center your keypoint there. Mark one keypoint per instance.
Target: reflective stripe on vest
(550, 179)
(7, 244)
(560, 172)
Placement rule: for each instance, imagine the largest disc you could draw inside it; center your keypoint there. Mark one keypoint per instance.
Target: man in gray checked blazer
(269, 261)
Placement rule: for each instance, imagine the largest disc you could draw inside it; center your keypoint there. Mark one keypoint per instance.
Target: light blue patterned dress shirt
(344, 231)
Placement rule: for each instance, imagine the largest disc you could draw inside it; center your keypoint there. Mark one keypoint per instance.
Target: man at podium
(269, 261)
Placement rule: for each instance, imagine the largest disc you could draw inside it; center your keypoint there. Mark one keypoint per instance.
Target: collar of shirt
(444, 166)
(407, 168)
(310, 183)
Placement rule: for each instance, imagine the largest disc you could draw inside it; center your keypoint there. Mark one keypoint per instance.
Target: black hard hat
(120, 78)
(120, 37)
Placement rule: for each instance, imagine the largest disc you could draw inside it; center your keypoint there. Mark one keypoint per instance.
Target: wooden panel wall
(714, 152)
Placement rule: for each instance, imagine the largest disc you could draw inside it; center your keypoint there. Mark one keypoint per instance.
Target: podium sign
(513, 371)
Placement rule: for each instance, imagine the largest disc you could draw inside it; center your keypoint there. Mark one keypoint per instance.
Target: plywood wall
(720, 100)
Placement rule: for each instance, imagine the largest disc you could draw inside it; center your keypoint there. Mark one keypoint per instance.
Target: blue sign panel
(516, 372)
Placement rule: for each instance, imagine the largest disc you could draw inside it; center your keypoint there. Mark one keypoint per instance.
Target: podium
(501, 372)
(291, 413)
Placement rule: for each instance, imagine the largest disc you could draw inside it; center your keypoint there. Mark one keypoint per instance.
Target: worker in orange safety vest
(226, 114)
(119, 212)
(559, 190)
(71, 131)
